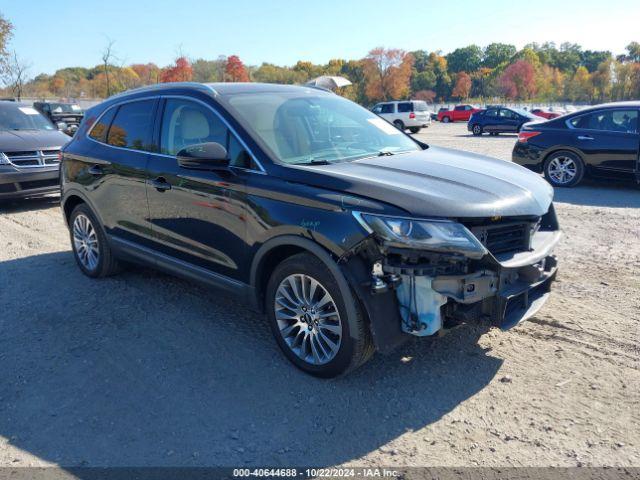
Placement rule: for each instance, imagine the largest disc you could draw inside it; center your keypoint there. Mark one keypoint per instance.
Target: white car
(411, 114)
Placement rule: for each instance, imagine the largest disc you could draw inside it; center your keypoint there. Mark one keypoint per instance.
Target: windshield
(17, 117)
(299, 129)
(65, 108)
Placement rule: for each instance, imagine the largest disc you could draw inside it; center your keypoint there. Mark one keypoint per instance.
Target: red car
(545, 113)
(460, 113)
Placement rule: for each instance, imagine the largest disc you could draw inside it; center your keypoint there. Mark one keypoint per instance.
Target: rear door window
(132, 126)
(492, 112)
(405, 107)
(387, 108)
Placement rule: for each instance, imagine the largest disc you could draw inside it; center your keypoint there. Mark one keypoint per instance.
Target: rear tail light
(523, 137)
(412, 115)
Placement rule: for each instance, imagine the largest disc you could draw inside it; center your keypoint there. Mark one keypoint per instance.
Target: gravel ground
(145, 369)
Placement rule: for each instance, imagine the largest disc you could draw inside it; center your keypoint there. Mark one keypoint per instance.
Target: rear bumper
(20, 183)
(528, 155)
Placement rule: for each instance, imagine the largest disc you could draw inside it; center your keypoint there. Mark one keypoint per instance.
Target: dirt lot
(144, 369)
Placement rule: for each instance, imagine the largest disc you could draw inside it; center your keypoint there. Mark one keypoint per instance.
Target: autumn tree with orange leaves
(235, 71)
(387, 73)
(180, 72)
(462, 88)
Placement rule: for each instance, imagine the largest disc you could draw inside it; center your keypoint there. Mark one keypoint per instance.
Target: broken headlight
(434, 235)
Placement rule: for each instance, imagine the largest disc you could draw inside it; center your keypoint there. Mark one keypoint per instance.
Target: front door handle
(96, 170)
(584, 137)
(160, 184)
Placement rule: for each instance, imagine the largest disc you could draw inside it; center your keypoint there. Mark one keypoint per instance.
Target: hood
(24, 140)
(438, 182)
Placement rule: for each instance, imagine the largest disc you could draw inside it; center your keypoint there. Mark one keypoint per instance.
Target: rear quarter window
(99, 130)
(405, 107)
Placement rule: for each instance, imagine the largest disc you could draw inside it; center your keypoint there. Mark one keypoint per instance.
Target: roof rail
(163, 86)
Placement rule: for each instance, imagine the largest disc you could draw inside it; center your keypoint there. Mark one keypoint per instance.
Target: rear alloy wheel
(399, 125)
(564, 169)
(446, 119)
(477, 130)
(89, 243)
(309, 319)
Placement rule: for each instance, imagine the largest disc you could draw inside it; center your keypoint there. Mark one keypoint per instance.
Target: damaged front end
(419, 276)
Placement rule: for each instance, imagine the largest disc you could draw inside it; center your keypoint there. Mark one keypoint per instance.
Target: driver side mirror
(204, 156)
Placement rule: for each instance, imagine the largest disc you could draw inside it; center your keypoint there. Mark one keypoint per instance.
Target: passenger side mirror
(204, 156)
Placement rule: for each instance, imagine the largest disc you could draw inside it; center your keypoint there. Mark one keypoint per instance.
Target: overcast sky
(53, 34)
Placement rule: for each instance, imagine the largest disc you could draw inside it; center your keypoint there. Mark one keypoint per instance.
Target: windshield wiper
(315, 161)
(385, 153)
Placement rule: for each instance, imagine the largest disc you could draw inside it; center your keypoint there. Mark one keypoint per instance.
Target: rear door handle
(160, 184)
(96, 170)
(584, 137)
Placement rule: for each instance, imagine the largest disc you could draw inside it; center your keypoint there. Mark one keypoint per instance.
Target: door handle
(160, 184)
(96, 170)
(584, 137)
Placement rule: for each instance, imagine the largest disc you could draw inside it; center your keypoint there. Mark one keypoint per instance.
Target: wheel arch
(275, 250)
(71, 199)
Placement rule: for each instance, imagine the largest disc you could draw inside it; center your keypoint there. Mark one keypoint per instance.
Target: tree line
(537, 72)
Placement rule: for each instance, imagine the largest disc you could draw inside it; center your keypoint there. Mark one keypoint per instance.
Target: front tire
(89, 244)
(309, 320)
(564, 169)
(476, 130)
(446, 119)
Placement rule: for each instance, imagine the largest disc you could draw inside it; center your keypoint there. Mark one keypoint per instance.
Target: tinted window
(508, 114)
(492, 112)
(99, 131)
(459, 109)
(609, 120)
(186, 123)
(238, 156)
(131, 128)
(405, 107)
(387, 108)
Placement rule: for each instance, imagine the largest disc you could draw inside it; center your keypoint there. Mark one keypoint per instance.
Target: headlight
(435, 235)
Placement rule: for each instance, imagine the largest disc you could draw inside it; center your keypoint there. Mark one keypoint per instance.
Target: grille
(33, 158)
(505, 237)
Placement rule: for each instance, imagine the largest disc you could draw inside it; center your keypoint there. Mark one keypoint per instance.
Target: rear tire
(476, 130)
(399, 125)
(564, 169)
(414, 129)
(89, 244)
(314, 333)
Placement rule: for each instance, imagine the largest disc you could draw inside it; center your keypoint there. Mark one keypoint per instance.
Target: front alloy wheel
(477, 130)
(308, 319)
(318, 325)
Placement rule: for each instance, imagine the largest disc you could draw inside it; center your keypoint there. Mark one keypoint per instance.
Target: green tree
(591, 59)
(467, 59)
(634, 52)
(497, 53)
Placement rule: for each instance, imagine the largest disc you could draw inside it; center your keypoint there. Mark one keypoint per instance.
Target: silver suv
(411, 114)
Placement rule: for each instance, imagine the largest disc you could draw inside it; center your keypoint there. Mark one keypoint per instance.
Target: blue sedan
(495, 120)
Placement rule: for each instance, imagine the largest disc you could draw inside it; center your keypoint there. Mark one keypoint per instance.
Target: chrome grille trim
(33, 158)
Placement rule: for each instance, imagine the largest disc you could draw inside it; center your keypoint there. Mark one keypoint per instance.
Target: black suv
(66, 115)
(349, 234)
